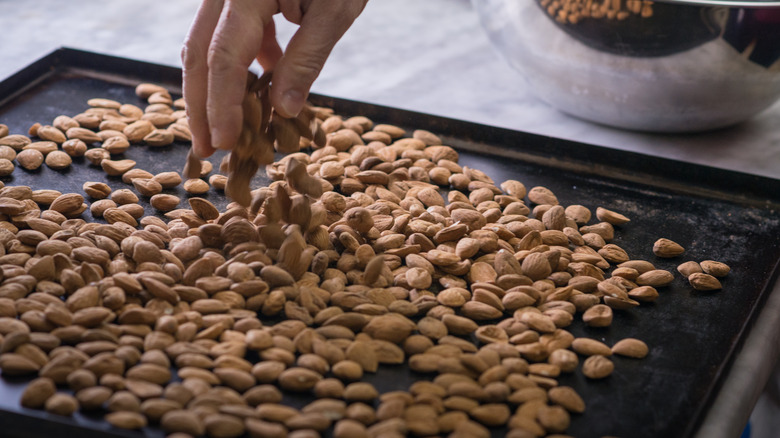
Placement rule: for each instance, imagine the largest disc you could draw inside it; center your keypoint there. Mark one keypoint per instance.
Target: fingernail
(217, 138)
(292, 102)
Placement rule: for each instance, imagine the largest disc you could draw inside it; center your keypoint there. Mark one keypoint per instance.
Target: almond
(147, 187)
(611, 217)
(159, 137)
(126, 420)
(37, 393)
(714, 268)
(83, 134)
(667, 248)
(689, 268)
(58, 160)
(597, 367)
(6, 167)
(96, 190)
(50, 133)
(143, 91)
(164, 202)
(67, 203)
(116, 167)
(114, 215)
(44, 147)
(568, 398)
(116, 145)
(30, 159)
(196, 186)
(136, 131)
(631, 347)
(168, 180)
(103, 103)
(15, 141)
(655, 278)
(97, 155)
(704, 282)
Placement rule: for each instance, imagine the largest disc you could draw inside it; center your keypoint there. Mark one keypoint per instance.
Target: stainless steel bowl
(681, 66)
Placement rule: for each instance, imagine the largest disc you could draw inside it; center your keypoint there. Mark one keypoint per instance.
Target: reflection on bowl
(642, 65)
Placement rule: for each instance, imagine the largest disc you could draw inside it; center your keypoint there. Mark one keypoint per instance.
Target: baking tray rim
(662, 173)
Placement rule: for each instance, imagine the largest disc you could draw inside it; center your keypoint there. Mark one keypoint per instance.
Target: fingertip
(201, 143)
(291, 103)
(202, 151)
(224, 132)
(218, 138)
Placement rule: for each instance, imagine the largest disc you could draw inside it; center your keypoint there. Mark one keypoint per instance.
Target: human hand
(224, 39)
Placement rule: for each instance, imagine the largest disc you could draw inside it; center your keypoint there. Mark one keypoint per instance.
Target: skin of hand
(227, 35)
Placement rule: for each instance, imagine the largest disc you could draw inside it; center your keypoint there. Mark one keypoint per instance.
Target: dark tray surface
(693, 336)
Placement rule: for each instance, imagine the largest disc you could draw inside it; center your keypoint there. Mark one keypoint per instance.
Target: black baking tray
(694, 336)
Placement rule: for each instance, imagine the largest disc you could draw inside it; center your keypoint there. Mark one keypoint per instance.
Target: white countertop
(429, 56)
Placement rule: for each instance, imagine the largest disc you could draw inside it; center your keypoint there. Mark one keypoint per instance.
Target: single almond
(180, 131)
(7, 152)
(51, 133)
(147, 187)
(168, 180)
(704, 282)
(44, 147)
(655, 278)
(630, 347)
(83, 134)
(15, 141)
(30, 159)
(667, 248)
(158, 120)
(204, 209)
(688, 268)
(136, 131)
(196, 186)
(714, 268)
(114, 215)
(597, 367)
(164, 202)
(134, 173)
(116, 145)
(131, 112)
(145, 90)
(124, 196)
(67, 203)
(611, 217)
(58, 160)
(6, 167)
(159, 137)
(88, 121)
(218, 181)
(103, 103)
(97, 155)
(116, 167)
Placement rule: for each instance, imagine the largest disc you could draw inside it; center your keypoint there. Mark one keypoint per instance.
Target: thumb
(305, 56)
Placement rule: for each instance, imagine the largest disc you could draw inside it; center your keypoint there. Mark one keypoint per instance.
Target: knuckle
(307, 67)
(189, 58)
(219, 57)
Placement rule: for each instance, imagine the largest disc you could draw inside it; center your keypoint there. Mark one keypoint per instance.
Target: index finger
(195, 74)
(234, 46)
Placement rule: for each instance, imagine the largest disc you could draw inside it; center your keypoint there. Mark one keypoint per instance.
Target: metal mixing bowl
(671, 66)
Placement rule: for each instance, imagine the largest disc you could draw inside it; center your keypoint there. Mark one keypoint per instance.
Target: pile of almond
(574, 11)
(374, 250)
